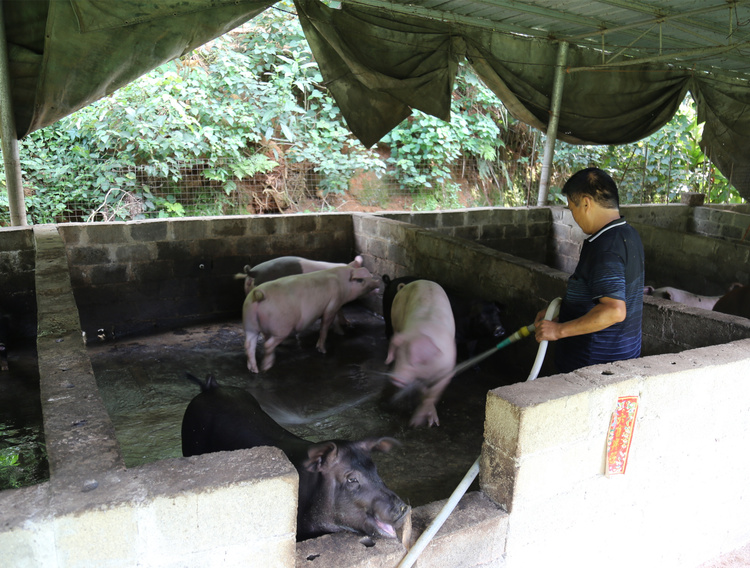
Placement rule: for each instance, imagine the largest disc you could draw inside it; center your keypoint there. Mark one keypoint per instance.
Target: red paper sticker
(620, 434)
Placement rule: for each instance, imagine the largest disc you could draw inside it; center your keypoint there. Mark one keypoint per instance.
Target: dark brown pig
(291, 304)
(735, 302)
(285, 266)
(423, 346)
(339, 486)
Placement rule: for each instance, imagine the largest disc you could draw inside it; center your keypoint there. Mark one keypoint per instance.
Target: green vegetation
(246, 125)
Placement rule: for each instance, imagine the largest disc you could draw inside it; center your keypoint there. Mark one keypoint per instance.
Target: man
(600, 315)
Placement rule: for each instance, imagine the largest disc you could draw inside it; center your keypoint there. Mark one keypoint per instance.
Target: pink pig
(285, 266)
(291, 304)
(423, 345)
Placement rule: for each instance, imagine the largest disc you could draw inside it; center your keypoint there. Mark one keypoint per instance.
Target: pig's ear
(359, 273)
(319, 456)
(648, 290)
(378, 444)
(357, 262)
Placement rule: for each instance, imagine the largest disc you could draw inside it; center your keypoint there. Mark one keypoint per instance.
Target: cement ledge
(472, 536)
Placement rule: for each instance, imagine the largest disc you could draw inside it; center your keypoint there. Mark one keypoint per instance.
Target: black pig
(339, 486)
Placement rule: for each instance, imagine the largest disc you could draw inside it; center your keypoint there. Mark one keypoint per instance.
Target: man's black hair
(595, 183)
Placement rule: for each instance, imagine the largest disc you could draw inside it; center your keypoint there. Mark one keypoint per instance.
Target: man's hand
(604, 314)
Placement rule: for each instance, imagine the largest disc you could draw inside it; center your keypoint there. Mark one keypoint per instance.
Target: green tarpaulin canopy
(378, 64)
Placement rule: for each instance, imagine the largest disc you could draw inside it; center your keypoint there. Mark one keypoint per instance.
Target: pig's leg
(340, 322)
(325, 324)
(269, 346)
(251, 342)
(426, 411)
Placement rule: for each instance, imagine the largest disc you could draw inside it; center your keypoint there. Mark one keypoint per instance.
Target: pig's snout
(499, 330)
(388, 514)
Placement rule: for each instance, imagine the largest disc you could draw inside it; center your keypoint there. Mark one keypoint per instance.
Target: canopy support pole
(554, 119)
(9, 137)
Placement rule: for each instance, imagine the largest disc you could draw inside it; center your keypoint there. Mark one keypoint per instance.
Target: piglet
(291, 304)
(423, 346)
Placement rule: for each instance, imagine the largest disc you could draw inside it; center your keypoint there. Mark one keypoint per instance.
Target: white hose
(426, 536)
(552, 310)
(424, 539)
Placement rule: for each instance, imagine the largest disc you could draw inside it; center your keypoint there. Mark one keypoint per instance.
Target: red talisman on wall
(620, 434)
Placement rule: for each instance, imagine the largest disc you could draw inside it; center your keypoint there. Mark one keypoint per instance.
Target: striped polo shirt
(611, 265)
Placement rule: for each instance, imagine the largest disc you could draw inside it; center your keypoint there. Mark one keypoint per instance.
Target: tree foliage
(249, 116)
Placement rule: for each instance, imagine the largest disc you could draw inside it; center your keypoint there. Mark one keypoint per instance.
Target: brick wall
(180, 271)
(731, 224)
(676, 255)
(520, 231)
(18, 298)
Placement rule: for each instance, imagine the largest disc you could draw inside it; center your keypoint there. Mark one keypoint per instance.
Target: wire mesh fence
(120, 192)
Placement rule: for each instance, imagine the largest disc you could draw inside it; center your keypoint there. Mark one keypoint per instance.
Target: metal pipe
(9, 137)
(554, 119)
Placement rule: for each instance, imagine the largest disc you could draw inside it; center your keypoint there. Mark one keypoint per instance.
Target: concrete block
(739, 220)
(107, 274)
(544, 475)
(262, 225)
(16, 239)
(229, 226)
(31, 546)
(134, 253)
(470, 233)
(731, 232)
(255, 249)
(187, 229)
(473, 534)
(148, 231)
(489, 233)
(106, 233)
(90, 255)
(210, 248)
(106, 538)
(296, 224)
(149, 274)
(452, 219)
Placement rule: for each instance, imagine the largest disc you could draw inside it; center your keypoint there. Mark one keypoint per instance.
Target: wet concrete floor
(341, 394)
(23, 458)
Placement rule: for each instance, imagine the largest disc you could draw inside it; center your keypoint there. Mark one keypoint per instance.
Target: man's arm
(604, 314)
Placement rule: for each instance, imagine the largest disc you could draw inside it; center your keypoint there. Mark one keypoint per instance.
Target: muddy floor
(342, 394)
(23, 458)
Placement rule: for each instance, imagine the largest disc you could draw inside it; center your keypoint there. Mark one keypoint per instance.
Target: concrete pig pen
(543, 499)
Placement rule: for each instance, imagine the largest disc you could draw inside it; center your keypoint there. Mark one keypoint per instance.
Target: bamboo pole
(554, 119)
(9, 137)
